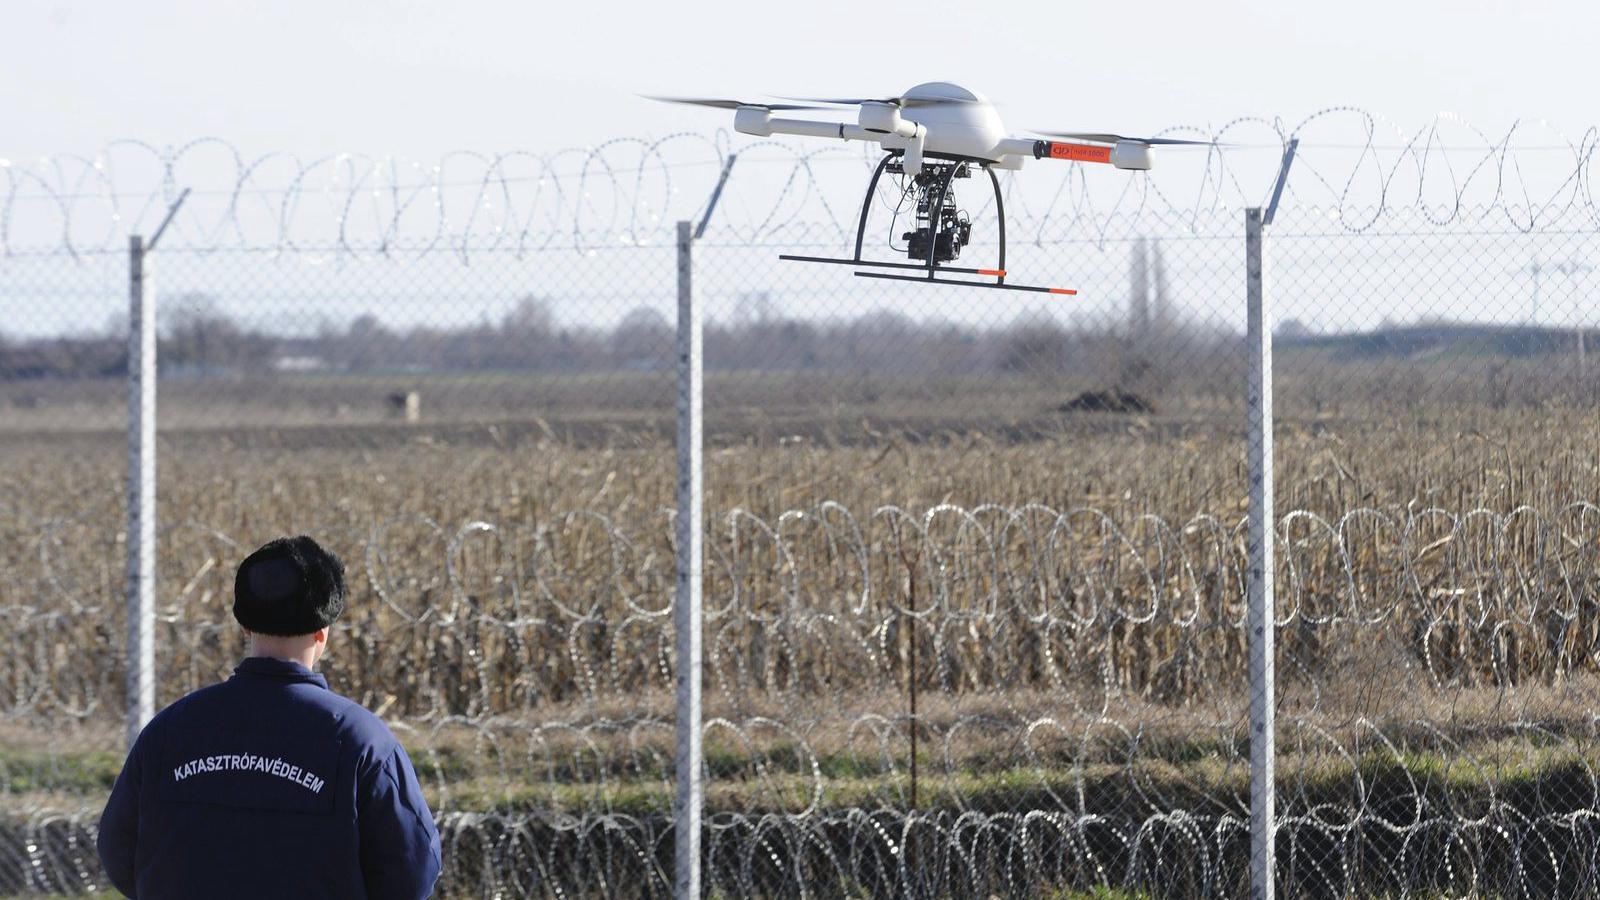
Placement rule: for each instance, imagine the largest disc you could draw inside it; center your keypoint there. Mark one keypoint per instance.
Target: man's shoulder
(348, 720)
(360, 725)
(195, 699)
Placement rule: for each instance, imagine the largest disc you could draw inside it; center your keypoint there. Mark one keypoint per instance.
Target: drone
(932, 135)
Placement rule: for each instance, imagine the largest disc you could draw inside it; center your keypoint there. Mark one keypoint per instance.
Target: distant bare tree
(529, 318)
(1033, 345)
(196, 335)
(643, 339)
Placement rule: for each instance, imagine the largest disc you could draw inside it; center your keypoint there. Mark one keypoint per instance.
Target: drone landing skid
(934, 217)
(998, 285)
(918, 266)
(931, 277)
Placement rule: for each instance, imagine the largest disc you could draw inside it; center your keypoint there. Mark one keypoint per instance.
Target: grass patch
(43, 771)
(1194, 774)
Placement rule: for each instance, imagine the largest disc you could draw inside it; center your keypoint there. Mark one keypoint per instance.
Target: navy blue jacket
(268, 785)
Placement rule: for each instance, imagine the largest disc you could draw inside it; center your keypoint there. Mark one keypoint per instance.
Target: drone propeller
(727, 104)
(1101, 138)
(902, 102)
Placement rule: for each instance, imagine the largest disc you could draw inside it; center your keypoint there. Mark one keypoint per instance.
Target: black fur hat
(289, 587)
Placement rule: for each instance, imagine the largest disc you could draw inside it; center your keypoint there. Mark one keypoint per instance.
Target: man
(269, 784)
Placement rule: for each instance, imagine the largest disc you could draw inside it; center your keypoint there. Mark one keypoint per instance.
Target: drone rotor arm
(761, 123)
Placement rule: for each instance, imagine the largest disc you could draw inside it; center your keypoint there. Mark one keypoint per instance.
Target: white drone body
(947, 120)
(931, 135)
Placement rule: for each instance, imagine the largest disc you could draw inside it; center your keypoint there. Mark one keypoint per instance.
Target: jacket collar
(277, 670)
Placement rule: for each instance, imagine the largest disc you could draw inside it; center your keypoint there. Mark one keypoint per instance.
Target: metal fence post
(1260, 620)
(141, 489)
(686, 602)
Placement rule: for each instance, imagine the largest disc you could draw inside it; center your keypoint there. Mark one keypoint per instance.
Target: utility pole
(1139, 290)
(1537, 269)
(1163, 309)
(1572, 269)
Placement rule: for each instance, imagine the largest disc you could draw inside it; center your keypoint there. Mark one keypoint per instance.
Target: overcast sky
(418, 79)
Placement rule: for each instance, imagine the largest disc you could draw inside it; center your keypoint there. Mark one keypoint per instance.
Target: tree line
(197, 337)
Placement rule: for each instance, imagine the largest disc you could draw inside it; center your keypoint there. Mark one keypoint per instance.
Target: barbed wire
(1360, 169)
(884, 852)
(1078, 665)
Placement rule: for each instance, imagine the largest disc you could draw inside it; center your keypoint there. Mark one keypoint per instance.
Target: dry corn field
(1067, 607)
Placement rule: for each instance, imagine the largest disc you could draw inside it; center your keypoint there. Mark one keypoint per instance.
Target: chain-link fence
(975, 563)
